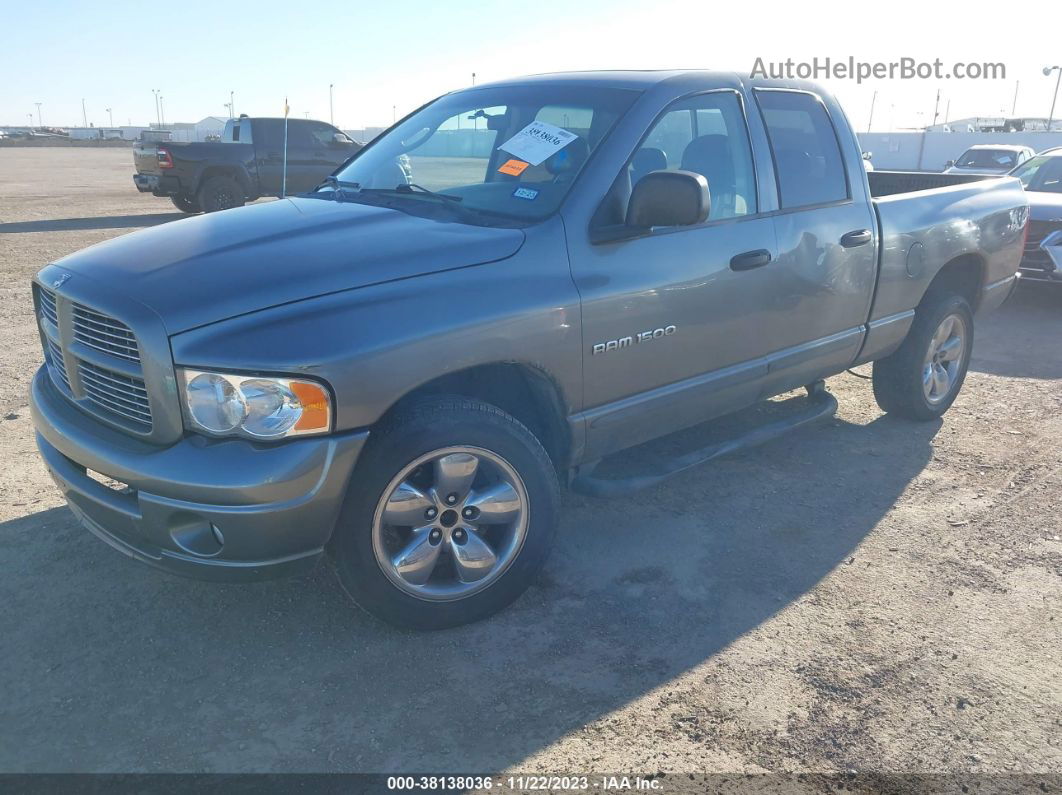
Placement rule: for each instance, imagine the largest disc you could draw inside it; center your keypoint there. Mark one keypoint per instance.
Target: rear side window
(807, 155)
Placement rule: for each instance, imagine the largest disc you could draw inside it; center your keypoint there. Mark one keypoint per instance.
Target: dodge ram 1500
(400, 368)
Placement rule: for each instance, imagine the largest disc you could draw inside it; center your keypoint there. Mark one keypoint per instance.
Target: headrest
(569, 159)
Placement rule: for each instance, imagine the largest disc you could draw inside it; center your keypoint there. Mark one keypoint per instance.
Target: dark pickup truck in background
(245, 165)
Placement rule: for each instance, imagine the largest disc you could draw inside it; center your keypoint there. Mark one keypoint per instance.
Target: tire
(401, 477)
(900, 385)
(220, 193)
(186, 204)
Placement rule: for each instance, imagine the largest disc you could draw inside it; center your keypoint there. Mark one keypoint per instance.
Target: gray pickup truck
(399, 369)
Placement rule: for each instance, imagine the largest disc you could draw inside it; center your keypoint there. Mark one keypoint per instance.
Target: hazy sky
(113, 53)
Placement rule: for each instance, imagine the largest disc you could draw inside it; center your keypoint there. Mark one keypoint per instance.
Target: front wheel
(923, 377)
(449, 517)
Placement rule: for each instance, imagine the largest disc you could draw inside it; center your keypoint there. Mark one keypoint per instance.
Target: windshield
(988, 158)
(508, 151)
(1043, 173)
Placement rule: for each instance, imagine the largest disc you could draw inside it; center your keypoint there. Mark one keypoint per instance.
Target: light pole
(84, 115)
(873, 99)
(228, 106)
(111, 115)
(1047, 73)
(158, 113)
(39, 122)
(331, 111)
(394, 113)
(162, 110)
(30, 117)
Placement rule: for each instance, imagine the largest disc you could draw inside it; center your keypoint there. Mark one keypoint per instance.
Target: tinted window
(988, 158)
(806, 153)
(705, 134)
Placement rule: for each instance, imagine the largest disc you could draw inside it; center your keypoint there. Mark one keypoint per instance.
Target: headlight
(254, 406)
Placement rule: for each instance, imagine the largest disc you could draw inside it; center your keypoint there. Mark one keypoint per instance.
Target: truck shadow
(1011, 341)
(91, 222)
(113, 666)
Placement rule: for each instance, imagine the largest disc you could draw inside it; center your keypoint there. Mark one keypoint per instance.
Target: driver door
(673, 321)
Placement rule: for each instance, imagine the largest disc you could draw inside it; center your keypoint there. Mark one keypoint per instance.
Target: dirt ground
(870, 594)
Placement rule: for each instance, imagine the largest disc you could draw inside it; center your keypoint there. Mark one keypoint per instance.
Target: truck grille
(48, 307)
(1035, 257)
(56, 365)
(122, 395)
(116, 392)
(104, 334)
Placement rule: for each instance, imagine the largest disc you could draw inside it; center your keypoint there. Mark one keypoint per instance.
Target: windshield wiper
(338, 186)
(418, 190)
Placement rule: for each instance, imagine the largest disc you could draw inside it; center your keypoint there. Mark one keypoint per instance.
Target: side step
(821, 405)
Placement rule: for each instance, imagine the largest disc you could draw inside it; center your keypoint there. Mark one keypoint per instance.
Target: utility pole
(331, 110)
(111, 115)
(232, 104)
(936, 108)
(39, 122)
(873, 99)
(1014, 107)
(1047, 73)
(158, 113)
(84, 115)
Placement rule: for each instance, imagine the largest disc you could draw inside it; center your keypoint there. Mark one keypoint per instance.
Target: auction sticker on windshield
(537, 141)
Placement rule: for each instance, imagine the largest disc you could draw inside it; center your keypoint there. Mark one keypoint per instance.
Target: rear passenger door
(823, 279)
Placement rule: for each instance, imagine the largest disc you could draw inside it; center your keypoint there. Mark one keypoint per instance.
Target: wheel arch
(522, 390)
(233, 172)
(962, 275)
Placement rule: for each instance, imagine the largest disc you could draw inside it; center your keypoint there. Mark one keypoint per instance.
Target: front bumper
(229, 510)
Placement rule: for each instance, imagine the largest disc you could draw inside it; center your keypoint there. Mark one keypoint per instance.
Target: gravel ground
(869, 594)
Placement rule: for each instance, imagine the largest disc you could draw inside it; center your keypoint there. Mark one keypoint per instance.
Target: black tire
(898, 378)
(414, 432)
(220, 193)
(186, 204)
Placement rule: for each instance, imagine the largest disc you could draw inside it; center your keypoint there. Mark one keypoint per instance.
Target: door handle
(857, 237)
(750, 259)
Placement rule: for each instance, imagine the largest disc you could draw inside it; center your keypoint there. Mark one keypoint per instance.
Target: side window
(323, 134)
(705, 134)
(807, 155)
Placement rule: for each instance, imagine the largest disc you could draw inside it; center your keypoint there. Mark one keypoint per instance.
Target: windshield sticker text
(537, 141)
(525, 193)
(513, 167)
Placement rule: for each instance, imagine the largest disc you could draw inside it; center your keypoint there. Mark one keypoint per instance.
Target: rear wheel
(186, 204)
(922, 378)
(220, 193)
(449, 516)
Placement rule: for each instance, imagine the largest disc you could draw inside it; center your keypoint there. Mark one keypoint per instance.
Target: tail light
(165, 158)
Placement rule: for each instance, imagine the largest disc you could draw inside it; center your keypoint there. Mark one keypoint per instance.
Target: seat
(645, 160)
(709, 156)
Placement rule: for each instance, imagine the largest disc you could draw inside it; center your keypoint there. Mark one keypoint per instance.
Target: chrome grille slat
(104, 334)
(121, 394)
(57, 364)
(47, 300)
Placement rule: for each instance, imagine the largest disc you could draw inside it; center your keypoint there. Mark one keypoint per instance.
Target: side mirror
(341, 139)
(669, 198)
(949, 163)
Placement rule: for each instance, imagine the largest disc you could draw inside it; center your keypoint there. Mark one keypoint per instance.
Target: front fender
(374, 345)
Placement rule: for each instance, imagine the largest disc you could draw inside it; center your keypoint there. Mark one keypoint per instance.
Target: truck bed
(888, 183)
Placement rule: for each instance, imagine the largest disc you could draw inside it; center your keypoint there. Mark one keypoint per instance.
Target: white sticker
(537, 141)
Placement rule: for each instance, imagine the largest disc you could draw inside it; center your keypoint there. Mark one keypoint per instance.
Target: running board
(821, 405)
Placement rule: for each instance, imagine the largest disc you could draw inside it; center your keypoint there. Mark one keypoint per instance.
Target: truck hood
(212, 267)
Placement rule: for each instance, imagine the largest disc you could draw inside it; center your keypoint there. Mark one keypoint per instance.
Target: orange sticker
(513, 167)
